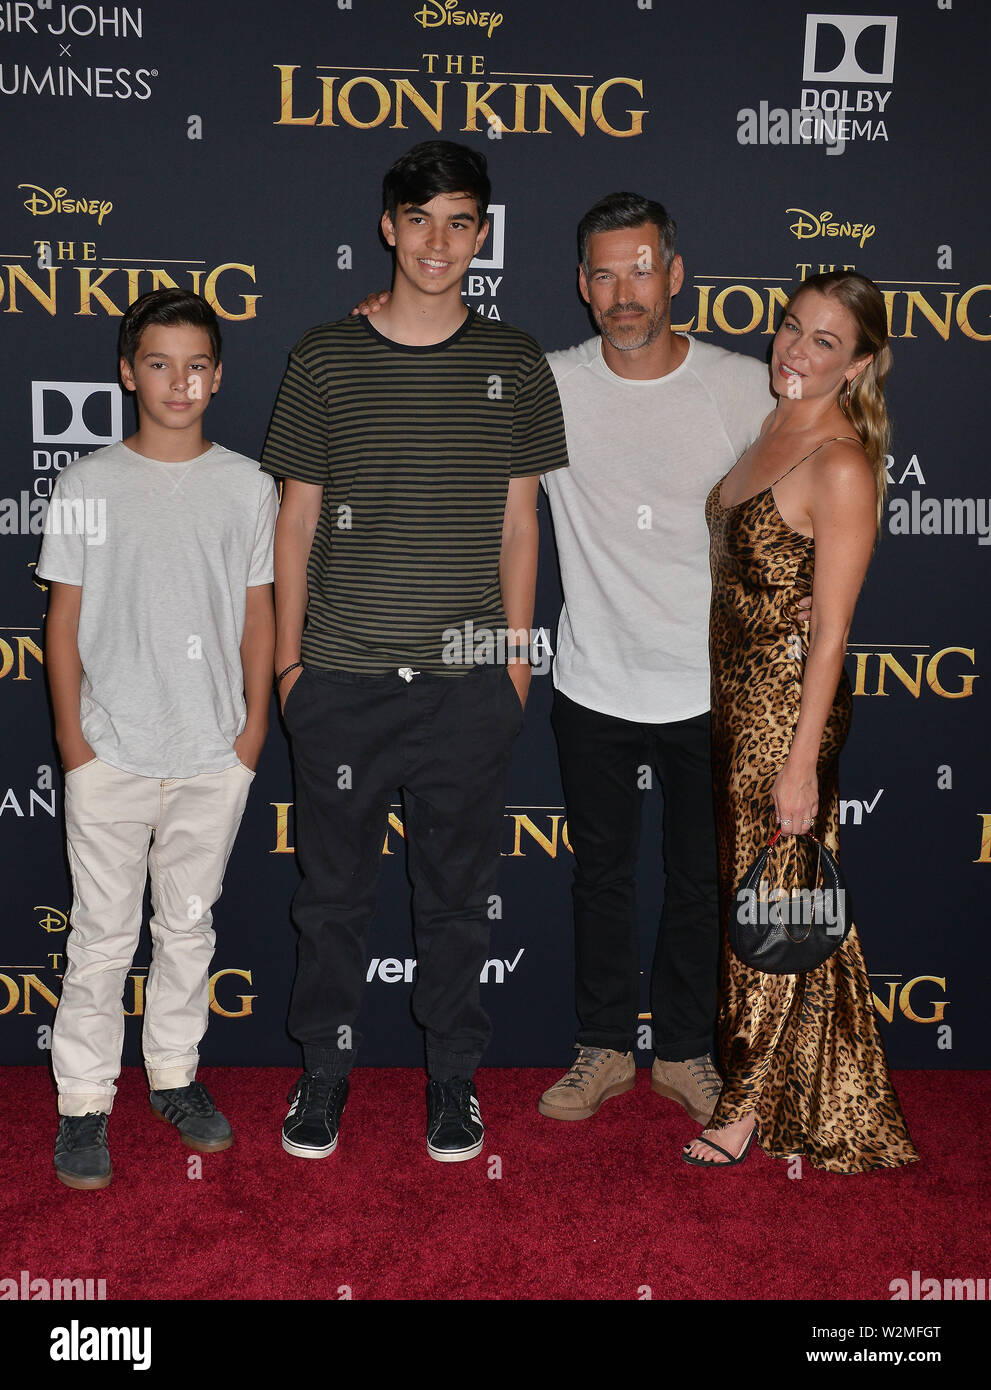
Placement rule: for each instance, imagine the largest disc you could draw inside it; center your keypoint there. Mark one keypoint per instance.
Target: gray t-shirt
(629, 522)
(164, 553)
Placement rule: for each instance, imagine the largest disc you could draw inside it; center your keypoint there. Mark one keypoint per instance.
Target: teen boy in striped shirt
(411, 453)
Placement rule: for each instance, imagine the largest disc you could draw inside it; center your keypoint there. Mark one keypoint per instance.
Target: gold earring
(847, 401)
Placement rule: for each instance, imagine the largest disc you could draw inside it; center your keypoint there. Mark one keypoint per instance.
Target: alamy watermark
(919, 1287)
(780, 125)
(78, 516)
(795, 907)
(80, 1342)
(26, 1288)
(485, 646)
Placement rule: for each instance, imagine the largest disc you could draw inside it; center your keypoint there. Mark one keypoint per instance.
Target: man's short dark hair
(618, 211)
(433, 167)
(168, 306)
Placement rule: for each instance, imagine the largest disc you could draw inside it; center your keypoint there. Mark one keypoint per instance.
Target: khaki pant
(111, 817)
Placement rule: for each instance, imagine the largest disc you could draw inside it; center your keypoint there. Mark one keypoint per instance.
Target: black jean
(445, 742)
(603, 772)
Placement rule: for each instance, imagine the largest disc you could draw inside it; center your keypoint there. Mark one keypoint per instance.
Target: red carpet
(600, 1210)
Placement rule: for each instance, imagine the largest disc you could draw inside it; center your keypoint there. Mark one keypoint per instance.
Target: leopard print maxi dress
(803, 1051)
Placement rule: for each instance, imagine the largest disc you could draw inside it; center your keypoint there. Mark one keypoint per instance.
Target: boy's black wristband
(279, 677)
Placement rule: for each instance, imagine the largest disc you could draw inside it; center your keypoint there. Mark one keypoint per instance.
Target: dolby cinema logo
(848, 69)
(849, 62)
(481, 287)
(68, 419)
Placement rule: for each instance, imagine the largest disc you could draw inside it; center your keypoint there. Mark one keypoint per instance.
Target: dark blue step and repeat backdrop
(238, 148)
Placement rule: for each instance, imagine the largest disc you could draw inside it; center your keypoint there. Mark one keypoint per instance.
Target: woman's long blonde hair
(866, 411)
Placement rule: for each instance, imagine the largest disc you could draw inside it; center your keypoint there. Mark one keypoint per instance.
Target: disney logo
(809, 226)
(41, 202)
(437, 12)
(53, 920)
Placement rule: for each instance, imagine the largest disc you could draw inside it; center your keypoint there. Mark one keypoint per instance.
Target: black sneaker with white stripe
(454, 1122)
(311, 1127)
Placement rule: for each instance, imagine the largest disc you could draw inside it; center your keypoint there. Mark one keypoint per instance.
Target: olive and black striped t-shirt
(414, 448)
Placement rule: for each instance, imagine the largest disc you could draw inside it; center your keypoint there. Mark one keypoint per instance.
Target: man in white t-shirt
(654, 419)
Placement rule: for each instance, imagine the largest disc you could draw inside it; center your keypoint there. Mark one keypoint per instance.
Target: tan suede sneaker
(695, 1084)
(597, 1074)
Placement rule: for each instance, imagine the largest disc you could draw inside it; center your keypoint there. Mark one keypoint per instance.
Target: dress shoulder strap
(835, 439)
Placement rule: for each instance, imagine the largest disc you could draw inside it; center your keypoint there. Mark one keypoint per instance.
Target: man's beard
(634, 335)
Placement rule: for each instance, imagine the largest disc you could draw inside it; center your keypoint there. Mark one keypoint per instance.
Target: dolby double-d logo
(495, 241)
(76, 412)
(850, 48)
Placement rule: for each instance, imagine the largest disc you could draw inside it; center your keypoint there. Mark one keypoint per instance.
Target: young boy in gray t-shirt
(159, 648)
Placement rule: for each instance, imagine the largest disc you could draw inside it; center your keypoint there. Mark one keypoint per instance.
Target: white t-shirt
(164, 553)
(629, 523)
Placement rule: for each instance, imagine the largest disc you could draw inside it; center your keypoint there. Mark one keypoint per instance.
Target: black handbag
(783, 932)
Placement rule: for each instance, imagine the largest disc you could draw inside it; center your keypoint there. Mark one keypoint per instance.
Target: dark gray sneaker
(311, 1128)
(82, 1158)
(192, 1111)
(454, 1122)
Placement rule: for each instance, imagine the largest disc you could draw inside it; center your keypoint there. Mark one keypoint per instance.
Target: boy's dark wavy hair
(168, 306)
(433, 167)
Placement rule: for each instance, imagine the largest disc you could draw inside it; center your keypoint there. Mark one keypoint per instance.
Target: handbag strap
(774, 840)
